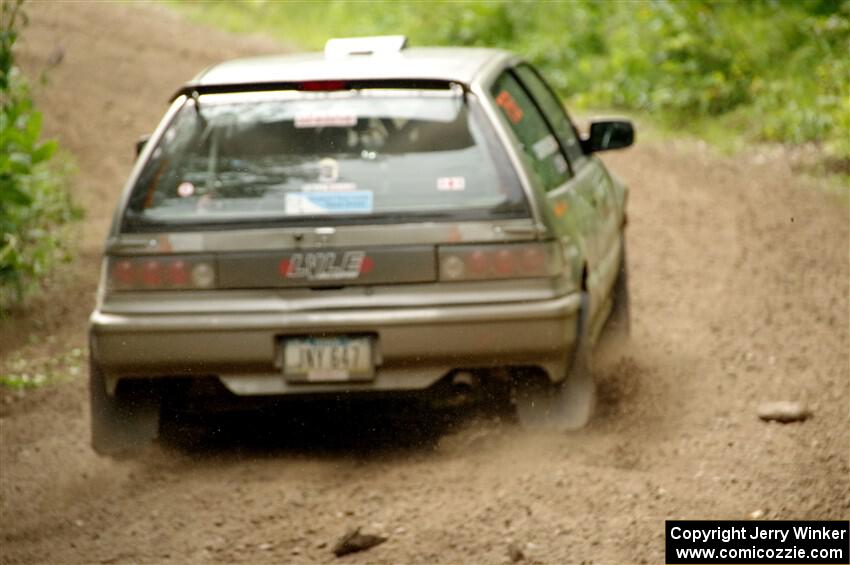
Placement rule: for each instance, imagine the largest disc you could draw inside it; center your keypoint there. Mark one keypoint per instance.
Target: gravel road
(739, 278)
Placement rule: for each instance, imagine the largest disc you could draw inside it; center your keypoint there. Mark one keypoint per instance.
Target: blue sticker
(314, 203)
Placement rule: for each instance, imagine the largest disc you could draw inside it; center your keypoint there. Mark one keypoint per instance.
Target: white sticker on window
(545, 147)
(320, 203)
(325, 120)
(328, 170)
(329, 187)
(451, 183)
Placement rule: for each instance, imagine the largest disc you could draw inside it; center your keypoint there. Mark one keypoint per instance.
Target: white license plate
(328, 359)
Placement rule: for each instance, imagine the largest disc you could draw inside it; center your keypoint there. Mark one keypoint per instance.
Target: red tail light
(505, 262)
(178, 273)
(151, 273)
(124, 272)
(477, 262)
(499, 261)
(533, 260)
(157, 272)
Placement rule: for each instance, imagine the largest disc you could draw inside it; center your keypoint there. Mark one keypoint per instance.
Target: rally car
(368, 220)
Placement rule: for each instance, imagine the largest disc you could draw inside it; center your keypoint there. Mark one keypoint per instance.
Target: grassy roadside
(21, 372)
(37, 223)
(732, 73)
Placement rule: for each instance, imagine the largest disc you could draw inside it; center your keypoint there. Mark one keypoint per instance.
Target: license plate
(328, 359)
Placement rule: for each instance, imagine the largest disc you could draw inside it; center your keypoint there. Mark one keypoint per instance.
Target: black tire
(125, 422)
(618, 328)
(567, 405)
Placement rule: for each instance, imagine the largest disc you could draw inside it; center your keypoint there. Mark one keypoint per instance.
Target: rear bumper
(415, 346)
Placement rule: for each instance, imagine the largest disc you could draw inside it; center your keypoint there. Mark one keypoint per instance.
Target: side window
(553, 109)
(531, 129)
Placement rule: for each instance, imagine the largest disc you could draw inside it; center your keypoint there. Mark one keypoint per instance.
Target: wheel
(618, 327)
(124, 422)
(564, 406)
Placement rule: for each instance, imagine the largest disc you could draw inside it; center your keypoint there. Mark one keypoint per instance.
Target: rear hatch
(323, 185)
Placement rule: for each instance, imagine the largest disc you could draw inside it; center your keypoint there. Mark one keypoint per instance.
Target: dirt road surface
(739, 278)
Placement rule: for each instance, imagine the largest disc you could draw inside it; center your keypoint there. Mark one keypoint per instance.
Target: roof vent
(341, 47)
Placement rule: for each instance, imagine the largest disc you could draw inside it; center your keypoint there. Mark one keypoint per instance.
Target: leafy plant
(34, 197)
(20, 372)
(769, 70)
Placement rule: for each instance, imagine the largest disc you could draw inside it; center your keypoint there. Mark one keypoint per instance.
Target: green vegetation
(34, 197)
(21, 372)
(764, 70)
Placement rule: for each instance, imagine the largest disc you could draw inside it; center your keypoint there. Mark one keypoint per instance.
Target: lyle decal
(325, 265)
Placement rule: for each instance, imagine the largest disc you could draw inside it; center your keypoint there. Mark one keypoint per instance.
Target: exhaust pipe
(465, 382)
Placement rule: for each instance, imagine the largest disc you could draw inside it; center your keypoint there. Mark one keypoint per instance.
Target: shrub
(34, 197)
(771, 70)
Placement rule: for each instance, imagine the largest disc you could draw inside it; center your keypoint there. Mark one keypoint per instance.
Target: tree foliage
(34, 200)
(772, 70)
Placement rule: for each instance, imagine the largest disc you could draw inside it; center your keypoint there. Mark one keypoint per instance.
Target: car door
(591, 182)
(564, 175)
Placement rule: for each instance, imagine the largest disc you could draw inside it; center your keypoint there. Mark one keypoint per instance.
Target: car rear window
(291, 156)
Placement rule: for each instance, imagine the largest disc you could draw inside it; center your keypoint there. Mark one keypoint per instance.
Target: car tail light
(123, 272)
(203, 275)
(478, 262)
(499, 261)
(178, 273)
(505, 262)
(151, 273)
(452, 268)
(161, 273)
(533, 259)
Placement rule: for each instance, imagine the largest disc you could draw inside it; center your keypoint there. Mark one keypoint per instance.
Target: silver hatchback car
(374, 218)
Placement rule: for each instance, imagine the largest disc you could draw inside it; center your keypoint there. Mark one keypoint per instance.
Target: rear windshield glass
(298, 156)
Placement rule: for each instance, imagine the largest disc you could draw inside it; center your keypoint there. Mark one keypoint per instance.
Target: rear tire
(124, 422)
(567, 405)
(619, 325)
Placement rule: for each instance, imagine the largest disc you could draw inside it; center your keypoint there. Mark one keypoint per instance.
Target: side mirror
(609, 134)
(140, 144)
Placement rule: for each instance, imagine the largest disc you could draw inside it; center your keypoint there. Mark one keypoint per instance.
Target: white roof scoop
(341, 47)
